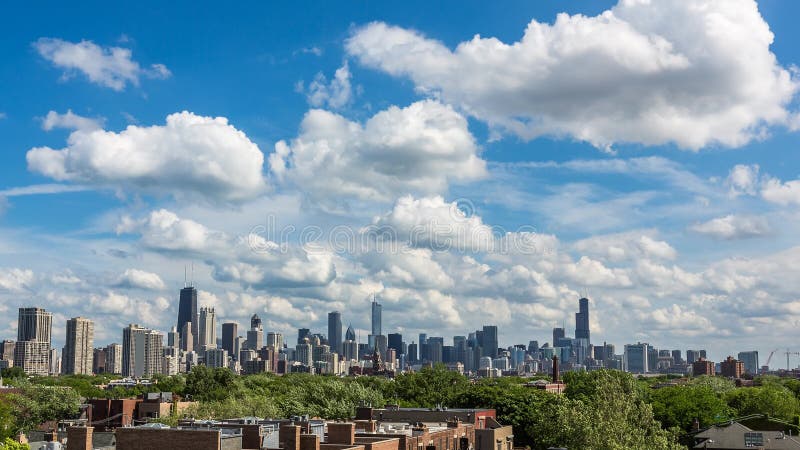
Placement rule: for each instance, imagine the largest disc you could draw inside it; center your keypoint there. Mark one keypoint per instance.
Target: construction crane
(770, 357)
(788, 353)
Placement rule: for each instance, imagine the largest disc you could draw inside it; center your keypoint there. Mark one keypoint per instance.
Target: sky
(467, 163)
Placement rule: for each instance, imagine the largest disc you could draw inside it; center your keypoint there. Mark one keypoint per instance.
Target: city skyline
(573, 350)
(469, 164)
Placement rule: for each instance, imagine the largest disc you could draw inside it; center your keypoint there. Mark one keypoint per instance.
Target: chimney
(289, 437)
(342, 433)
(79, 438)
(556, 374)
(309, 442)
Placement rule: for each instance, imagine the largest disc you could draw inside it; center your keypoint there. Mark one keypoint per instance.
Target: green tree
(38, 404)
(772, 399)
(210, 384)
(678, 406)
(10, 444)
(11, 373)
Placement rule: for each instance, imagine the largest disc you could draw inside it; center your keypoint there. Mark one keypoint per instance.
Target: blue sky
(650, 146)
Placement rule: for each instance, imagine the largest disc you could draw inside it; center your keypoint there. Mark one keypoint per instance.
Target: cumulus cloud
(163, 230)
(251, 260)
(189, 156)
(140, 279)
(691, 73)
(743, 180)
(631, 245)
(112, 67)
(417, 149)
(70, 120)
(732, 227)
(783, 193)
(432, 222)
(334, 94)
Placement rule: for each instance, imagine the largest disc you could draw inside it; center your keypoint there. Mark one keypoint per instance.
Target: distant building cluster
(193, 340)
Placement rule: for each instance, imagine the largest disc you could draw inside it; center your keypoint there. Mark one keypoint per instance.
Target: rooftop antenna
(184, 275)
(192, 279)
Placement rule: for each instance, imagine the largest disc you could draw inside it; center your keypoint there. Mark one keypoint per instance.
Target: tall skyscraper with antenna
(187, 309)
(377, 310)
(582, 320)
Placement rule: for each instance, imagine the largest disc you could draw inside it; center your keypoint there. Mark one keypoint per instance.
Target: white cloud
(630, 245)
(743, 180)
(733, 227)
(783, 193)
(140, 279)
(15, 280)
(693, 73)
(335, 94)
(189, 156)
(417, 149)
(432, 222)
(163, 230)
(71, 121)
(112, 67)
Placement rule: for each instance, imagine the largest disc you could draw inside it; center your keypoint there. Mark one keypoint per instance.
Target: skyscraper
(395, 341)
(303, 333)
(229, 332)
(582, 320)
(32, 350)
(34, 324)
(377, 310)
(490, 342)
(114, 358)
(350, 334)
(636, 358)
(750, 360)
(255, 322)
(207, 329)
(129, 348)
(187, 312)
(78, 348)
(335, 331)
(148, 355)
(558, 335)
(275, 340)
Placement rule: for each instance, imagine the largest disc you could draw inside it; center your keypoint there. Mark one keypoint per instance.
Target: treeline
(599, 410)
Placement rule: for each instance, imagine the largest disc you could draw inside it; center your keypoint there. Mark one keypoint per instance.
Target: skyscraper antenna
(192, 279)
(184, 275)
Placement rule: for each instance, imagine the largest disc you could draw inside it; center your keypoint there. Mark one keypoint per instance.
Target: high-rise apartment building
(302, 334)
(216, 358)
(335, 331)
(34, 324)
(32, 350)
(149, 354)
(636, 358)
(78, 353)
(114, 358)
(255, 335)
(229, 332)
(99, 360)
(207, 328)
(750, 360)
(187, 313)
(33, 357)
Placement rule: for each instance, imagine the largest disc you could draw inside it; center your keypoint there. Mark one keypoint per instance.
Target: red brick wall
(150, 439)
(342, 433)
(309, 442)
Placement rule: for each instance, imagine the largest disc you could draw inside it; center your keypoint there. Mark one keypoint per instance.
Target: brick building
(731, 368)
(703, 367)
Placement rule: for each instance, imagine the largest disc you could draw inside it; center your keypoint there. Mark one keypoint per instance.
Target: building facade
(78, 354)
